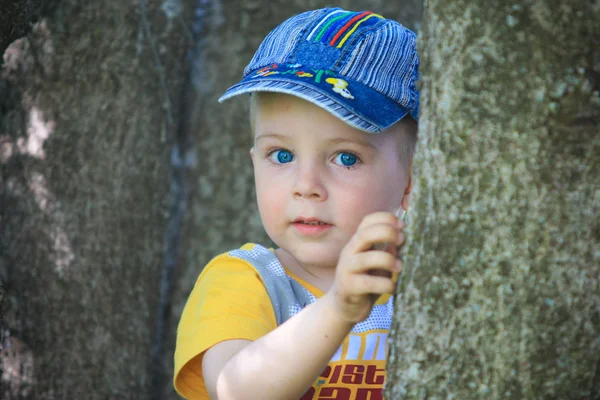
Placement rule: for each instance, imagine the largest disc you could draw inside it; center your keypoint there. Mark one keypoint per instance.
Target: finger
(380, 272)
(393, 273)
(380, 217)
(374, 260)
(401, 224)
(364, 239)
(368, 284)
(400, 239)
(391, 248)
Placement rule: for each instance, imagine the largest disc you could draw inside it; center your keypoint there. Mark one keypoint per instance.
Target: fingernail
(400, 237)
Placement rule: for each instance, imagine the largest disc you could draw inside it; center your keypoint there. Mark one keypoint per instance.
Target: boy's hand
(362, 273)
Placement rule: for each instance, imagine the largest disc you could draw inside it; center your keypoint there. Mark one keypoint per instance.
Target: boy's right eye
(281, 156)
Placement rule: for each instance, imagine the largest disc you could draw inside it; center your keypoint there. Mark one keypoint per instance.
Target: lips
(309, 221)
(311, 227)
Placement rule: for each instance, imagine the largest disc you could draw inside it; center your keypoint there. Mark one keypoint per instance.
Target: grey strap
(287, 295)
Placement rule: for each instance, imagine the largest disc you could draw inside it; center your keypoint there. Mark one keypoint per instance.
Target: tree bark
(88, 114)
(17, 17)
(500, 296)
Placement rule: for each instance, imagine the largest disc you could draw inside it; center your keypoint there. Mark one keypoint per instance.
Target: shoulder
(231, 282)
(228, 301)
(227, 279)
(248, 250)
(227, 284)
(235, 264)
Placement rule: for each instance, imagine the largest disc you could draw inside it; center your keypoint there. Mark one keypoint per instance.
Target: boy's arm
(284, 363)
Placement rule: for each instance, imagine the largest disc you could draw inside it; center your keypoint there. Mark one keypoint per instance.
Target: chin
(316, 253)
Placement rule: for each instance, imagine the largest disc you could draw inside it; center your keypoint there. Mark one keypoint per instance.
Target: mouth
(311, 227)
(309, 221)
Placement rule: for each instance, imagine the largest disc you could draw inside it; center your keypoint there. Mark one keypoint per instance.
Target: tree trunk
(500, 294)
(89, 109)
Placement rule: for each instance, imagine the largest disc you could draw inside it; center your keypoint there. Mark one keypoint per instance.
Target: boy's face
(309, 164)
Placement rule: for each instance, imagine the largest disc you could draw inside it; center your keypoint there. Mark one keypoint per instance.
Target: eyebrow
(338, 140)
(361, 143)
(270, 135)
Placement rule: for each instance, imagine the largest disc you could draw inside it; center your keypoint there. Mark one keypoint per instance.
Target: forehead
(286, 115)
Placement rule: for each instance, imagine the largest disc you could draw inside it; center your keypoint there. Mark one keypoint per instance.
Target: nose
(309, 184)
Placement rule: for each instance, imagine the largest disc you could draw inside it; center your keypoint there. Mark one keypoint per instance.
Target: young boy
(333, 111)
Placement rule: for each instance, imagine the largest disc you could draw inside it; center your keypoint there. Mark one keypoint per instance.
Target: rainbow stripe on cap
(337, 26)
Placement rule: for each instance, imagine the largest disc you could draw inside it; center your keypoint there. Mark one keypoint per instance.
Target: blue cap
(360, 66)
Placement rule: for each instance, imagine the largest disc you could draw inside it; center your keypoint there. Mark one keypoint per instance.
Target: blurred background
(120, 178)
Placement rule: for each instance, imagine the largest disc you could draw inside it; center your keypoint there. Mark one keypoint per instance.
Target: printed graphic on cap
(266, 71)
(339, 86)
(345, 24)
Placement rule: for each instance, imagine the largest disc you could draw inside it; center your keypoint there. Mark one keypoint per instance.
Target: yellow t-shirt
(230, 301)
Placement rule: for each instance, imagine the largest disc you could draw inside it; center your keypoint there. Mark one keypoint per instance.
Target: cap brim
(352, 102)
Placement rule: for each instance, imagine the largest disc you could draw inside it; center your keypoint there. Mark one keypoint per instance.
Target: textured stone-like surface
(500, 294)
(85, 143)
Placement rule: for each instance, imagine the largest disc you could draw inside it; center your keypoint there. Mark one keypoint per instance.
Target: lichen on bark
(500, 293)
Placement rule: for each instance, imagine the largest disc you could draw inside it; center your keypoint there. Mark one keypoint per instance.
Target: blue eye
(282, 156)
(346, 159)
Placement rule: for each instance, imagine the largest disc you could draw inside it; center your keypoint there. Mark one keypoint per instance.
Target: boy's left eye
(346, 159)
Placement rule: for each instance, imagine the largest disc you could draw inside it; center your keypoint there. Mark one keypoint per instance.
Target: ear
(252, 154)
(406, 197)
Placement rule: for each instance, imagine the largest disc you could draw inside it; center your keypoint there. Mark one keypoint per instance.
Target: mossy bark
(87, 120)
(500, 293)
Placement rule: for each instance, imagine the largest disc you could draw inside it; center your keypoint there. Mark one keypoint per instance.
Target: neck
(317, 275)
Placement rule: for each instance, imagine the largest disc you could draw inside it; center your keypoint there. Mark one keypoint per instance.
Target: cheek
(356, 200)
(392, 184)
(365, 196)
(270, 197)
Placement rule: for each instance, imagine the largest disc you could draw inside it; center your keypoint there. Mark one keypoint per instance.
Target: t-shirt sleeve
(228, 301)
